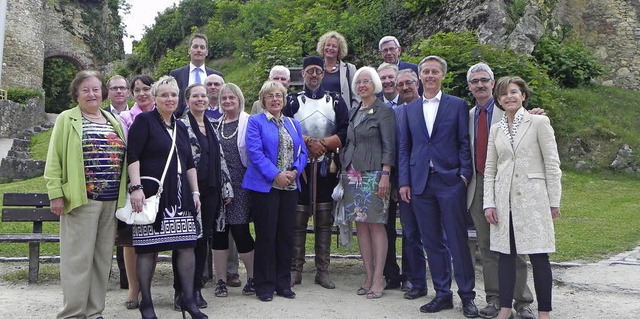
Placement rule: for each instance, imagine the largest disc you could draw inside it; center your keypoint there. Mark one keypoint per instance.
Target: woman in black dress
(174, 228)
(213, 177)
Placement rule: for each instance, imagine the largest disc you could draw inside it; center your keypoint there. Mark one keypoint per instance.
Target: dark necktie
(391, 103)
(482, 138)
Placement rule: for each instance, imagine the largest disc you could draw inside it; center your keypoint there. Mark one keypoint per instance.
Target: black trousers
(273, 218)
(542, 277)
(391, 270)
(241, 235)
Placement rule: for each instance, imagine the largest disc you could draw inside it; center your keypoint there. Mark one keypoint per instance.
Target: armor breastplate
(317, 117)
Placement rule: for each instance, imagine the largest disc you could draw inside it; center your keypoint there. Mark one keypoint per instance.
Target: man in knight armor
(323, 117)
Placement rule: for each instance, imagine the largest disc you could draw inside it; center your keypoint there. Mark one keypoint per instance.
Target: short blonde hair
(269, 86)
(343, 48)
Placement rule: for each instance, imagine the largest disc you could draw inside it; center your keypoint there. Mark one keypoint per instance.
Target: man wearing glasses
(485, 113)
(390, 51)
(118, 94)
(323, 118)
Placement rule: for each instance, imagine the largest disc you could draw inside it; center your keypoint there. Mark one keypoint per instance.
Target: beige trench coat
(523, 179)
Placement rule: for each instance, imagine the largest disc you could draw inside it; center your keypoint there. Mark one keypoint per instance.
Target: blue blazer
(182, 77)
(447, 147)
(262, 149)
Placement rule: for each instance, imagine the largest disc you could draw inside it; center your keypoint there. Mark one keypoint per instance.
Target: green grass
(40, 145)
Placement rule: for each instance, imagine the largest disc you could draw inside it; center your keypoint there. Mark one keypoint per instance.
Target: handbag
(150, 208)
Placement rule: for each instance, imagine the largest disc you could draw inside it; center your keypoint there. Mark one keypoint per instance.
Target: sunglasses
(311, 71)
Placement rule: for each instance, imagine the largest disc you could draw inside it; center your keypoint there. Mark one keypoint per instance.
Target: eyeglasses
(317, 71)
(405, 83)
(483, 80)
(386, 50)
(118, 88)
(273, 96)
(365, 82)
(145, 89)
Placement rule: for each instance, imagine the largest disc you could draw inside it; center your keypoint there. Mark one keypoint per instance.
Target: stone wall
(23, 61)
(611, 28)
(82, 32)
(16, 117)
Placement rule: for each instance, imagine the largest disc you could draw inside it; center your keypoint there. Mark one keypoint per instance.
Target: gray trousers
(522, 294)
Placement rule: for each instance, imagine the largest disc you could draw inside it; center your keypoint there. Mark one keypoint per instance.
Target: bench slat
(10, 214)
(33, 199)
(29, 238)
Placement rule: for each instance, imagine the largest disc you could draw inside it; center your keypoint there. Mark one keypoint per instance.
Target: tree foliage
(58, 73)
(462, 50)
(567, 61)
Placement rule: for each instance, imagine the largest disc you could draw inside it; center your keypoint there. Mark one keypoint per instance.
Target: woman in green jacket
(86, 182)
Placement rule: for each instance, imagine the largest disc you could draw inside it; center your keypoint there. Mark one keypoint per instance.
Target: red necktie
(482, 138)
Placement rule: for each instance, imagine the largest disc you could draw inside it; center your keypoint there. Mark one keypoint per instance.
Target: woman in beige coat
(522, 193)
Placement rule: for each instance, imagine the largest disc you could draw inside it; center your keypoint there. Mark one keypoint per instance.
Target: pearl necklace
(221, 130)
(92, 116)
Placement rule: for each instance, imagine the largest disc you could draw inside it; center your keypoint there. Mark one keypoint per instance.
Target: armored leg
(299, 238)
(323, 223)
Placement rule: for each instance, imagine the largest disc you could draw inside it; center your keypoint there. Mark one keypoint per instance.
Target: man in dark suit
(196, 71)
(390, 51)
(434, 169)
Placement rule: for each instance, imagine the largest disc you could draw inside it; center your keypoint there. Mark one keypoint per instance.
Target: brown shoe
(233, 280)
(296, 278)
(322, 279)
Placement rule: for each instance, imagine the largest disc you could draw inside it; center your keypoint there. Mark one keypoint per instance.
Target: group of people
(355, 145)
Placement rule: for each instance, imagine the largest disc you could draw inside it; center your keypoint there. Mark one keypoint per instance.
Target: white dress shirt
(430, 107)
(192, 74)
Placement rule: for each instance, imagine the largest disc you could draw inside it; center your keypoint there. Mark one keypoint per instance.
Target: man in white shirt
(118, 94)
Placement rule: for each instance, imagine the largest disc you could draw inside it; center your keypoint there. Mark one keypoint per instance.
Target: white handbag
(150, 208)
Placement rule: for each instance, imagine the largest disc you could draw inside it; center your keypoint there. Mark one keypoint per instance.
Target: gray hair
(386, 39)
(375, 78)
(411, 73)
(443, 63)
(280, 68)
(386, 65)
(479, 67)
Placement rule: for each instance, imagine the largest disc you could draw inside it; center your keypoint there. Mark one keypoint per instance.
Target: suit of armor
(323, 117)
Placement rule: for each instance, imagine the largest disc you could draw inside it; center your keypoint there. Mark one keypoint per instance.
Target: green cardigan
(64, 170)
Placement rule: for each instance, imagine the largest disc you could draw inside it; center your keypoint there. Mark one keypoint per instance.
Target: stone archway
(80, 62)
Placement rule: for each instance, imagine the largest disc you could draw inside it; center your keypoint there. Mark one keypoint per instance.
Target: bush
(21, 96)
(462, 50)
(568, 61)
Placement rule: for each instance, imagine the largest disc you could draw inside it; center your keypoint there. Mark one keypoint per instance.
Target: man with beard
(323, 117)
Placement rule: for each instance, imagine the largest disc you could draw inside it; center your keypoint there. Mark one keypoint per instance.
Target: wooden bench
(29, 208)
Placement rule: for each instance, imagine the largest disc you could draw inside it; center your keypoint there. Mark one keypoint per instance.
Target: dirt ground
(600, 290)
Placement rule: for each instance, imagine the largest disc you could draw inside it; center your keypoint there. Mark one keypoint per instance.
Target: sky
(142, 13)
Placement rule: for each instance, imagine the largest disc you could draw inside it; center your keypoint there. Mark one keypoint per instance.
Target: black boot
(299, 238)
(323, 221)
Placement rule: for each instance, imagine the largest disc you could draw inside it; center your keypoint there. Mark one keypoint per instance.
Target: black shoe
(200, 302)
(177, 301)
(265, 297)
(438, 304)
(469, 309)
(415, 293)
(287, 293)
(392, 283)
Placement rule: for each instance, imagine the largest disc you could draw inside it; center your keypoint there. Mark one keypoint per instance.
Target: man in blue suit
(390, 51)
(434, 169)
(195, 72)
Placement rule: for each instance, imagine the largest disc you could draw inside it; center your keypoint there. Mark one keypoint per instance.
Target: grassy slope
(598, 209)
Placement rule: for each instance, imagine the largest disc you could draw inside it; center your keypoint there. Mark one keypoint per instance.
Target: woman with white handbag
(159, 148)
